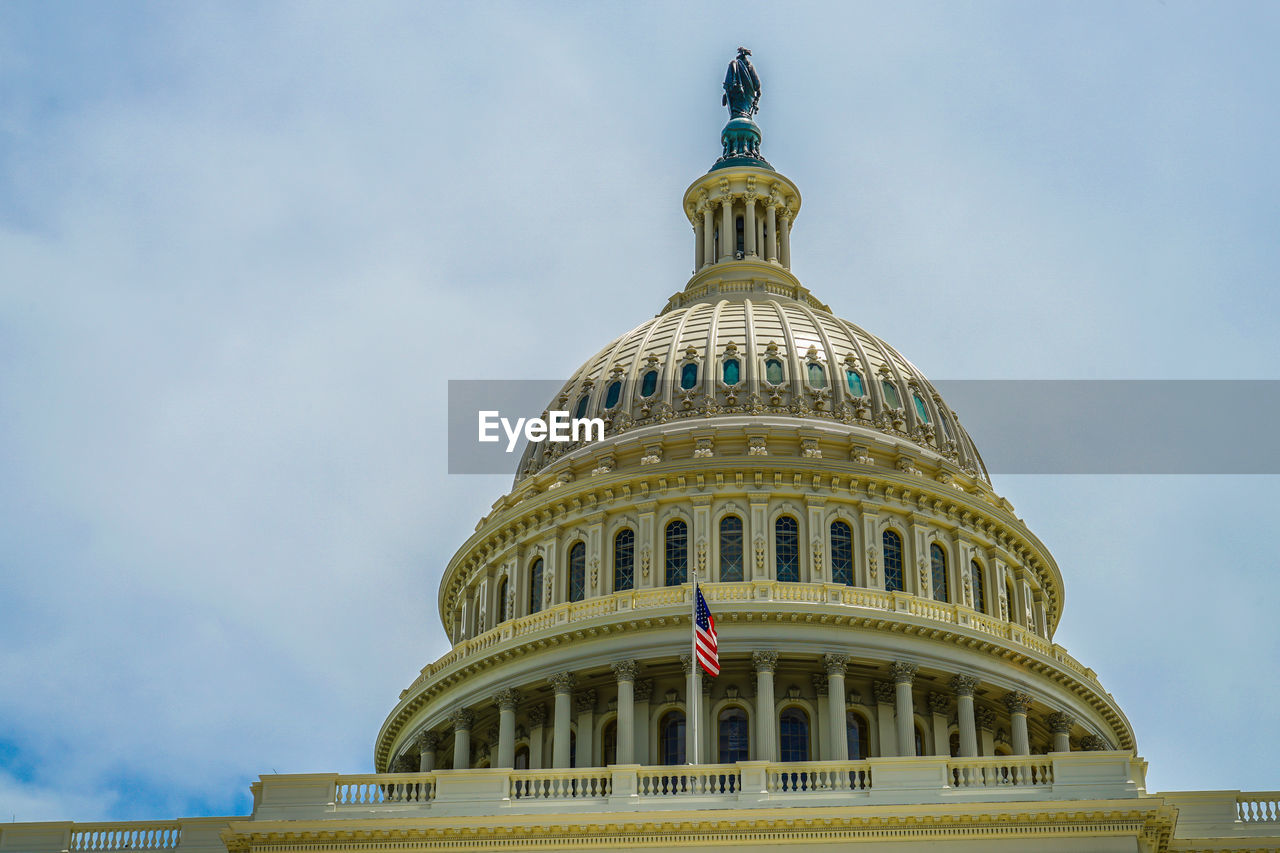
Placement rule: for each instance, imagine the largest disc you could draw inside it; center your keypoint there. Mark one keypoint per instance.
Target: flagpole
(693, 668)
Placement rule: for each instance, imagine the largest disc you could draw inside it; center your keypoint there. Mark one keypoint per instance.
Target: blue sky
(243, 247)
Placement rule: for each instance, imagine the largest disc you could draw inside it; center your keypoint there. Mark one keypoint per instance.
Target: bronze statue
(741, 87)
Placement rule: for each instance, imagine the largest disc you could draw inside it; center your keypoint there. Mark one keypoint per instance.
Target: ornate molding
(563, 682)
(886, 693)
(835, 664)
(625, 670)
(462, 719)
(1060, 722)
(765, 660)
(903, 672)
(506, 699)
(939, 703)
(1017, 702)
(964, 685)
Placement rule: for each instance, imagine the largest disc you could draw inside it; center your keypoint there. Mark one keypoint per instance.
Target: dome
(736, 349)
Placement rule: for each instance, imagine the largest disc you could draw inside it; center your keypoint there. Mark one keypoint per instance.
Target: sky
(244, 246)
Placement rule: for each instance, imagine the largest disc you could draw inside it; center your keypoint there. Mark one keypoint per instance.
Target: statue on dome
(741, 87)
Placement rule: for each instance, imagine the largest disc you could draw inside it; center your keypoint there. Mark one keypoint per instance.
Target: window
(946, 427)
(921, 411)
(817, 376)
(577, 572)
(535, 586)
(773, 372)
(938, 561)
(854, 378)
(677, 553)
(573, 749)
(731, 548)
(671, 738)
(581, 411)
(841, 553)
(787, 544)
(609, 744)
(732, 371)
(793, 735)
(649, 384)
(522, 758)
(891, 398)
(502, 600)
(892, 561)
(734, 741)
(688, 376)
(624, 557)
(1008, 594)
(979, 591)
(954, 742)
(856, 731)
(612, 394)
(919, 741)
(740, 237)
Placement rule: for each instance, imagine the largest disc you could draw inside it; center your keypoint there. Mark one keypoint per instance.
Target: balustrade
(693, 781)
(376, 789)
(1000, 772)
(587, 783)
(798, 777)
(1262, 807)
(150, 836)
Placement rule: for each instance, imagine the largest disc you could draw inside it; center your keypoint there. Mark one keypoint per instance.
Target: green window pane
(855, 383)
(731, 371)
(891, 398)
(611, 396)
(688, 376)
(921, 411)
(817, 376)
(649, 384)
(773, 372)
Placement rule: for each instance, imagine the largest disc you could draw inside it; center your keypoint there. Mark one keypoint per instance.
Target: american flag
(704, 636)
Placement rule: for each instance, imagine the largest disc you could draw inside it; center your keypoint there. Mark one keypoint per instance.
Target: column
(537, 735)
(784, 238)
(727, 235)
(644, 689)
(821, 721)
(586, 728)
(749, 226)
(771, 233)
(708, 739)
(964, 686)
(563, 683)
(1018, 702)
(939, 705)
(506, 700)
(1060, 723)
(885, 697)
(462, 719)
(904, 712)
(492, 746)
(699, 251)
(708, 237)
(625, 671)
(760, 236)
(427, 743)
(986, 719)
(766, 724)
(692, 711)
(838, 737)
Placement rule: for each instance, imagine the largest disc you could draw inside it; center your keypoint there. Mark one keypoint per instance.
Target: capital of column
(964, 685)
(1017, 702)
(506, 699)
(1093, 743)
(835, 664)
(625, 670)
(939, 703)
(903, 672)
(403, 764)
(462, 719)
(563, 682)
(885, 692)
(765, 661)
(586, 702)
(1060, 722)
(686, 663)
(644, 689)
(985, 718)
(820, 684)
(427, 741)
(537, 716)
(492, 733)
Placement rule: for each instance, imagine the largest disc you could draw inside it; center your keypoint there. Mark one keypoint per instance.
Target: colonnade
(766, 236)
(894, 718)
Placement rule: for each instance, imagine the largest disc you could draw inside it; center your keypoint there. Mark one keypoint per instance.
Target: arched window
(581, 411)
(793, 735)
(817, 376)
(609, 744)
(891, 398)
(502, 601)
(954, 743)
(938, 561)
(734, 740)
(671, 738)
(732, 371)
(787, 544)
(731, 548)
(919, 741)
(773, 372)
(854, 378)
(921, 411)
(892, 561)
(841, 553)
(979, 590)
(522, 758)
(535, 586)
(624, 559)
(688, 376)
(858, 735)
(649, 384)
(1008, 594)
(577, 572)
(946, 427)
(613, 393)
(677, 553)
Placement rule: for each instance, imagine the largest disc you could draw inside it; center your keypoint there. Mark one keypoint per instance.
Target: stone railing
(378, 788)
(756, 591)
(1220, 815)
(193, 835)
(1262, 807)
(1000, 771)
(120, 836)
